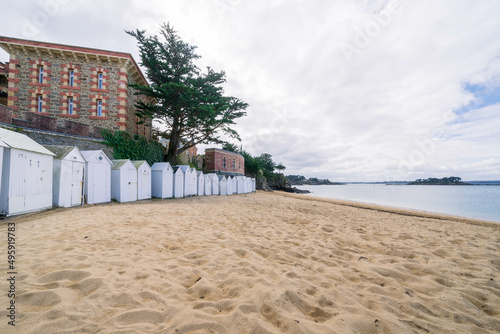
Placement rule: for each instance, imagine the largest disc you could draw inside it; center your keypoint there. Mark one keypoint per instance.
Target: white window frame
(71, 78)
(99, 108)
(100, 80)
(40, 74)
(70, 105)
(39, 101)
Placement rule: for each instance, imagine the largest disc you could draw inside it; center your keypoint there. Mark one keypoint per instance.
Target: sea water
(481, 202)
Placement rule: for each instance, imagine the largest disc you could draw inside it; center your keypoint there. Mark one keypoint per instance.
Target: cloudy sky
(347, 90)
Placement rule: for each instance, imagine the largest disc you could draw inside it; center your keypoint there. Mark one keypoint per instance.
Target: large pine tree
(189, 102)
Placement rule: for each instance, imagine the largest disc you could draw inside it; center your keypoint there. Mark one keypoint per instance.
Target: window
(40, 74)
(70, 106)
(224, 163)
(39, 100)
(99, 80)
(234, 164)
(99, 107)
(71, 78)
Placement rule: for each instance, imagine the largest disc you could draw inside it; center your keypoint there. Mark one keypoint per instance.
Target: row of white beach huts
(36, 177)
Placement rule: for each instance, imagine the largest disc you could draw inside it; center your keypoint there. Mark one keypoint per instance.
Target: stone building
(71, 84)
(224, 162)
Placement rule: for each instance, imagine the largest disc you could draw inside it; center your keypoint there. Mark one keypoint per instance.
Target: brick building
(226, 162)
(69, 83)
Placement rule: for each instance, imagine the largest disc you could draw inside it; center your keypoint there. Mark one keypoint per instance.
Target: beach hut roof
(139, 163)
(98, 154)
(184, 168)
(17, 140)
(59, 150)
(117, 164)
(160, 165)
(62, 151)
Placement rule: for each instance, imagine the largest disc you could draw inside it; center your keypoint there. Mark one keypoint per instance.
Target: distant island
(299, 180)
(445, 181)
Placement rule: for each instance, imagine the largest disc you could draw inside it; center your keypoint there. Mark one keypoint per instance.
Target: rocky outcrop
(278, 182)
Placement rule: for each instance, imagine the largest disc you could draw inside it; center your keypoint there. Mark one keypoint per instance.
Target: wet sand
(253, 263)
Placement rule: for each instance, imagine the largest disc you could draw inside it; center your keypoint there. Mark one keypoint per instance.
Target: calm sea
(482, 202)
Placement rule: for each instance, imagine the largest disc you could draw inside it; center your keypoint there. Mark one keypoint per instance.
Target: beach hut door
(132, 184)
(17, 195)
(100, 185)
(145, 179)
(76, 183)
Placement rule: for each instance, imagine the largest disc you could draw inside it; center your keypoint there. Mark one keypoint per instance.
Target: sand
(253, 263)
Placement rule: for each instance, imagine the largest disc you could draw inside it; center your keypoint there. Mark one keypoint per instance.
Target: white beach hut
(253, 184)
(162, 182)
(67, 182)
(26, 183)
(222, 185)
(194, 182)
(215, 183)
(208, 185)
(248, 184)
(230, 185)
(240, 184)
(143, 179)
(200, 182)
(2, 146)
(123, 181)
(178, 182)
(244, 185)
(188, 180)
(97, 178)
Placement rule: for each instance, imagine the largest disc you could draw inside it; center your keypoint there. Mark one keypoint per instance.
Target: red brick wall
(214, 161)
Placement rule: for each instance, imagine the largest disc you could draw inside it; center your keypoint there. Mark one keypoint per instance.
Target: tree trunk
(173, 143)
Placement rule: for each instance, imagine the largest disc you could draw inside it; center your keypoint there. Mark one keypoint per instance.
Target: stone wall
(5, 114)
(118, 112)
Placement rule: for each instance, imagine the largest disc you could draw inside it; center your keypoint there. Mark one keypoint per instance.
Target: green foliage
(280, 167)
(230, 147)
(136, 148)
(266, 164)
(190, 103)
(251, 165)
(434, 181)
(296, 179)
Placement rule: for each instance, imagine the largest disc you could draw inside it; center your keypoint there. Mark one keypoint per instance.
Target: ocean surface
(481, 202)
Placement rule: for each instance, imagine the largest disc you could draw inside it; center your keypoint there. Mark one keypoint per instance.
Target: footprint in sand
(72, 275)
(86, 287)
(42, 298)
(327, 228)
(141, 316)
(317, 313)
(241, 253)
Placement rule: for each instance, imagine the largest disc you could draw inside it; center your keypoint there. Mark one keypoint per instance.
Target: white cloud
(312, 109)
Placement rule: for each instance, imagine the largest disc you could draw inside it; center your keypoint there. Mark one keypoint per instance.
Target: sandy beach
(252, 263)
